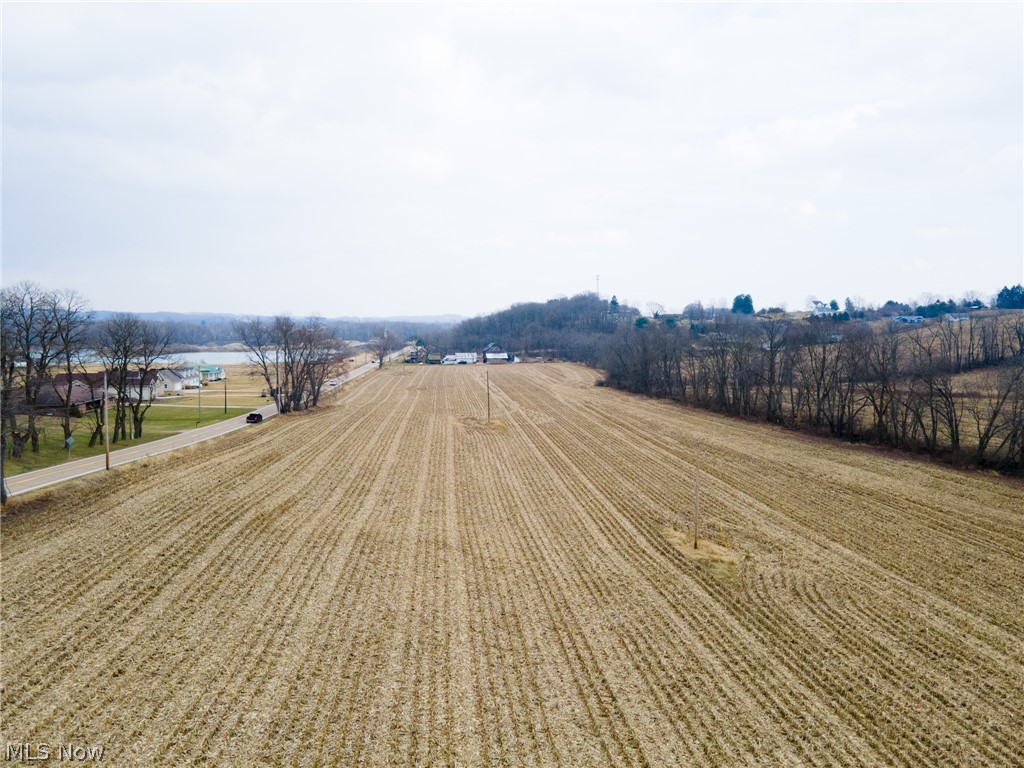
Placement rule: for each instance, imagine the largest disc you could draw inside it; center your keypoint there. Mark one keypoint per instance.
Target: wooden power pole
(696, 500)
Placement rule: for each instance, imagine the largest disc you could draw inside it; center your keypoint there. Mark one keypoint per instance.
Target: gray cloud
(434, 158)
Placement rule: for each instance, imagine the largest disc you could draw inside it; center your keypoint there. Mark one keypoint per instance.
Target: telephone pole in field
(696, 500)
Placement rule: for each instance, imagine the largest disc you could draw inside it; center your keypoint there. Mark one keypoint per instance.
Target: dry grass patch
(706, 550)
(471, 422)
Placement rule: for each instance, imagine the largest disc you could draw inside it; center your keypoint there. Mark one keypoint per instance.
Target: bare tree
(773, 365)
(998, 414)
(880, 367)
(258, 338)
(117, 342)
(323, 357)
(73, 321)
(131, 349)
(295, 359)
(383, 342)
(8, 372)
(32, 345)
(153, 340)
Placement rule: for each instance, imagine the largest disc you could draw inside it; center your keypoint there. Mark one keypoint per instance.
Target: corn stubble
(393, 581)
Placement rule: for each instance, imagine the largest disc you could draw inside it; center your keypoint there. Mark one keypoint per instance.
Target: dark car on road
(254, 418)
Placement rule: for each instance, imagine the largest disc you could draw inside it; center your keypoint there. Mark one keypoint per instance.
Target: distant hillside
(567, 328)
(173, 317)
(219, 317)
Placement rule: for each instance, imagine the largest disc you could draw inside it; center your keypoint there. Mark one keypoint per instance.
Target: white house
(168, 381)
(212, 373)
(191, 377)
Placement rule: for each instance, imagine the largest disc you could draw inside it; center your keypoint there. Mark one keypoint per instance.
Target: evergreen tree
(743, 304)
(1011, 298)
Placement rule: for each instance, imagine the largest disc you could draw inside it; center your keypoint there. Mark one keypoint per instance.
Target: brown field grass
(392, 581)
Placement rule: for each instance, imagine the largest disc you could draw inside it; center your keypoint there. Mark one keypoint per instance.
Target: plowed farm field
(392, 580)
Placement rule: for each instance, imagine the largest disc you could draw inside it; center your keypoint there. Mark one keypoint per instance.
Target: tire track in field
(779, 632)
(739, 682)
(599, 592)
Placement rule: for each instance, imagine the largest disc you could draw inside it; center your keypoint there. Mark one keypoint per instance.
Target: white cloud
(942, 233)
(935, 233)
(807, 208)
(777, 141)
(917, 265)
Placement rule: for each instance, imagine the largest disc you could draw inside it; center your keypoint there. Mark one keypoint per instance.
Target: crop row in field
(394, 580)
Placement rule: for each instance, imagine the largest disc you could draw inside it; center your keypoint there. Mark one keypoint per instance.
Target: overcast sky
(414, 159)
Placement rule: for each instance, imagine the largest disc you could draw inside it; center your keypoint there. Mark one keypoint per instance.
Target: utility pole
(199, 413)
(106, 421)
(277, 381)
(487, 374)
(225, 394)
(598, 286)
(3, 453)
(696, 500)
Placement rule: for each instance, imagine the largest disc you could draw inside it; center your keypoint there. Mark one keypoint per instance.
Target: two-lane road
(30, 481)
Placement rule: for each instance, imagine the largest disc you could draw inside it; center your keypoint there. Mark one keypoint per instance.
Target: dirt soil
(391, 581)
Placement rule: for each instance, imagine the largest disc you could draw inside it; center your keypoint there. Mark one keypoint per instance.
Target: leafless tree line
(296, 358)
(890, 384)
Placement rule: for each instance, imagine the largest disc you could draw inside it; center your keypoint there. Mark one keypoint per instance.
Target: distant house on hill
(821, 309)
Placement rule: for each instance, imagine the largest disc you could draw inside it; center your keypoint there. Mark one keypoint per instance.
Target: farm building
(908, 319)
(493, 353)
(418, 356)
(460, 358)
